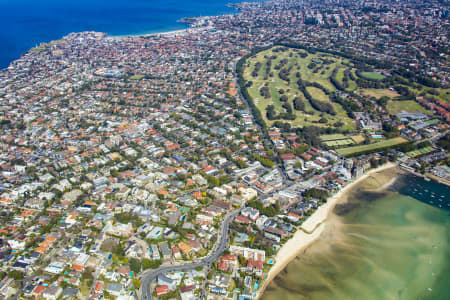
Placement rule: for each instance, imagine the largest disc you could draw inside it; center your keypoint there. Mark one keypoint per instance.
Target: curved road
(220, 246)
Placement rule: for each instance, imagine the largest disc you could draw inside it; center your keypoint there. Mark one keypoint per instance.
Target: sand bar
(312, 228)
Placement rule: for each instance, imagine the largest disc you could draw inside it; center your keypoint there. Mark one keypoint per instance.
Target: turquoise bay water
(26, 23)
(390, 245)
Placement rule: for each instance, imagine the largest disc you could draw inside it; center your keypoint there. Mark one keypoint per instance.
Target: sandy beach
(312, 228)
(171, 33)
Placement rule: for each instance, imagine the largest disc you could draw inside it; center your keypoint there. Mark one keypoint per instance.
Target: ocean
(26, 23)
(381, 245)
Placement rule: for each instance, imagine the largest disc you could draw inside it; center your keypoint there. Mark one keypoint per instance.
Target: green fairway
(264, 70)
(299, 86)
(318, 94)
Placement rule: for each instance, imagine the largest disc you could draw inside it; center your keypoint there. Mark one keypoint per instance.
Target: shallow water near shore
(380, 245)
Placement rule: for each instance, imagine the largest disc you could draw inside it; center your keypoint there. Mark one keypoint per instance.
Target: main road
(222, 241)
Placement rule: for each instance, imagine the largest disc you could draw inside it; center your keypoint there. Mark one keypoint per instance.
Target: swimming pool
(256, 285)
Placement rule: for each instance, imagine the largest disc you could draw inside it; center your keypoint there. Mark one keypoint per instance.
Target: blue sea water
(26, 23)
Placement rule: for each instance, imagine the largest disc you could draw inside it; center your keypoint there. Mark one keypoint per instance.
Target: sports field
(419, 152)
(371, 147)
(372, 75)
(395, 107)
(339, 140)
(378, 93)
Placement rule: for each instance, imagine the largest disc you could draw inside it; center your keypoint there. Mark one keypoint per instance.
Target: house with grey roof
(114, 289)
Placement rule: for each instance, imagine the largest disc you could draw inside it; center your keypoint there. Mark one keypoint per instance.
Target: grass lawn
(375, 146)
(317, 94)
(422, 151)
(336, 140)
(372, 75)
(340, 75)
(351, 84)
(332, 137)
(378, 93)
(418, 89)
(395, 107)
(137, 77)
(38, 49)
(358, 138)
(339, 143)
(85, 288)
(444, 94)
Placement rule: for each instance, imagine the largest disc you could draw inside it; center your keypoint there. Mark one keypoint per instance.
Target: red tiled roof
(255, 264)
(242, 219)
(162, 289)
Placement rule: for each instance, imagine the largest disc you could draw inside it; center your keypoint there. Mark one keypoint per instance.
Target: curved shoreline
(176, 27)
(315, 225)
